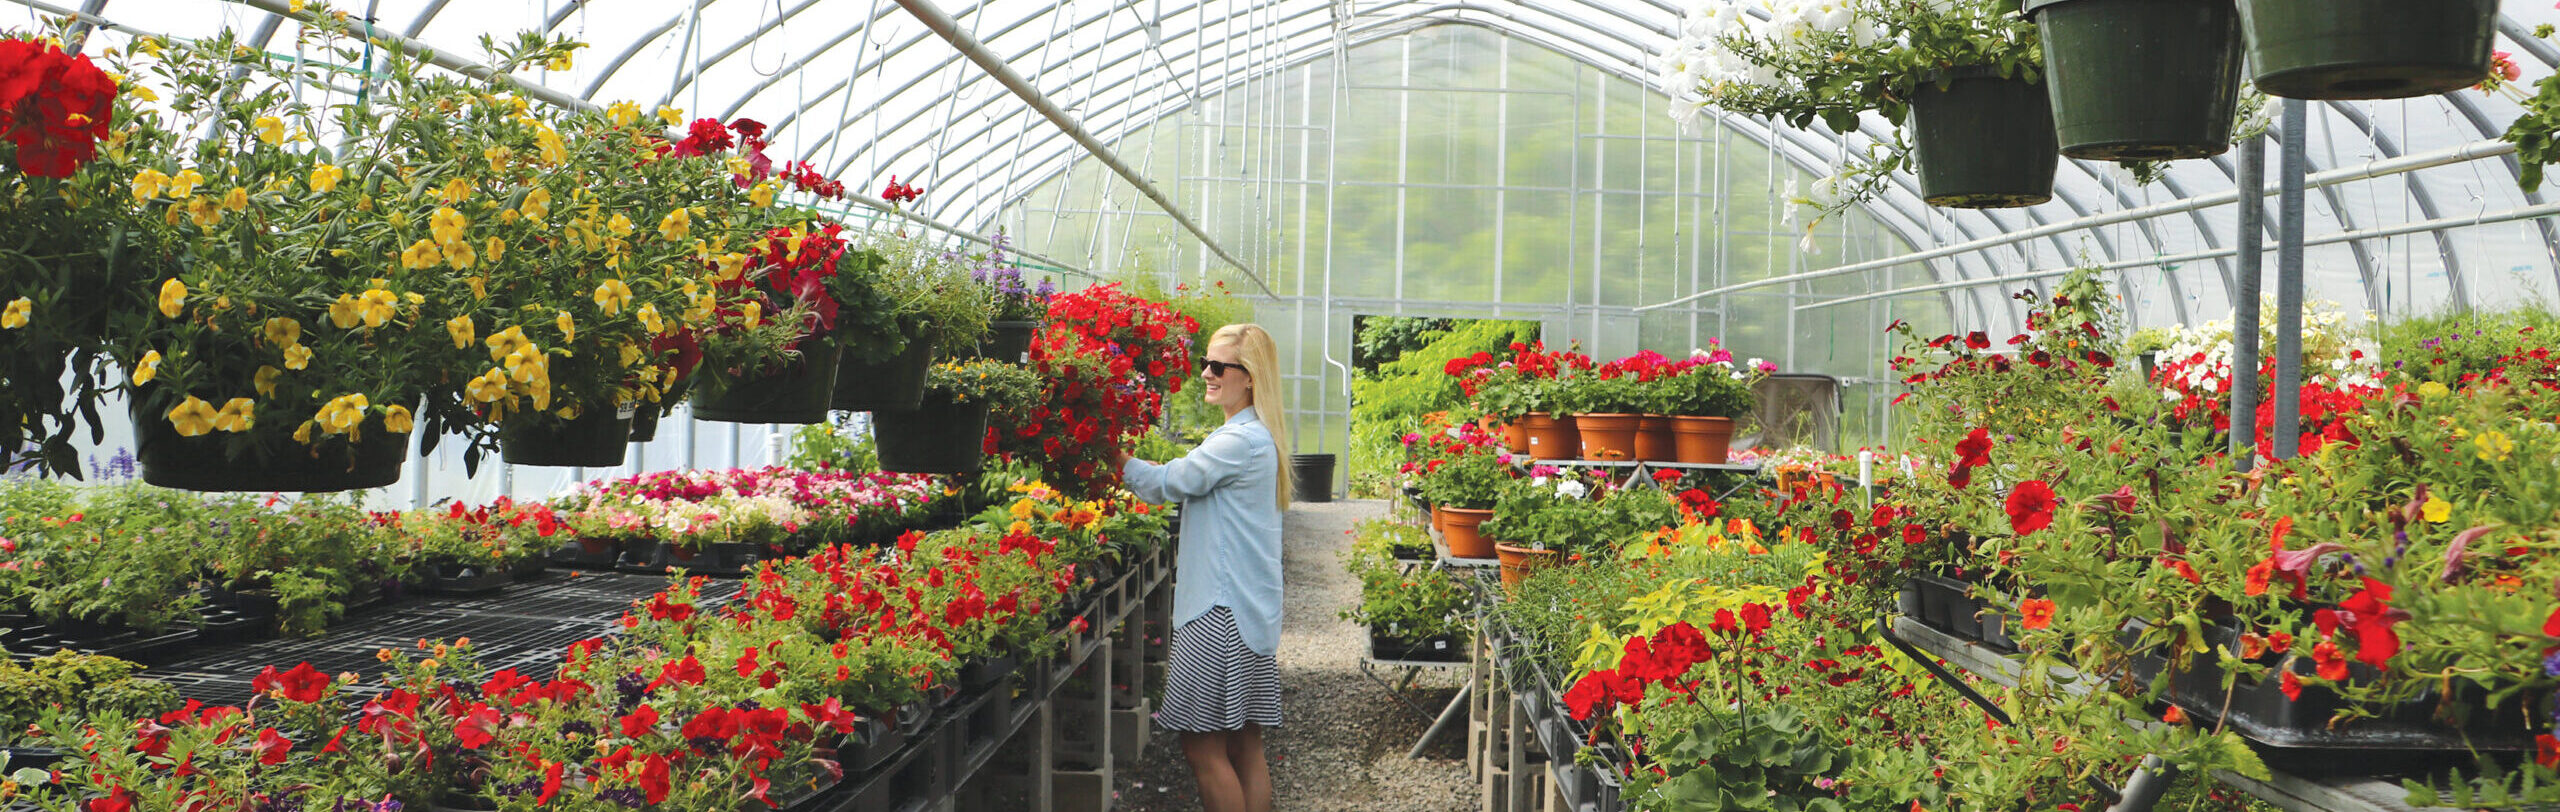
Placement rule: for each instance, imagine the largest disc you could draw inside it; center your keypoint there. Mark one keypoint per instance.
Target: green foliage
(1385, 404)
(1708, 390)
(1385, 338)
(94, 686)
(1155, 447)
(834, 445)
(2447, 347)
(1398, 602)
(1593, 394)
(1470, 481)
(982, 380)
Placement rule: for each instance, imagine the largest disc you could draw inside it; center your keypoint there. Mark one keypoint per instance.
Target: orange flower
(2175, 716)
(2037, 611)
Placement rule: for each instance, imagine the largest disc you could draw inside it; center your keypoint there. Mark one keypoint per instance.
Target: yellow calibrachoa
(236, 200)
(17, 314)
(620, 226)
(266, 380)
(2433, 389)
(612, 295)
(498, 158)
(183, 185)
(344, 313)
(568, 326)
(762, 195)
(489, 387)
(730, 266)
(343, 413)
(173, 297)
(622, 113)
(460, 255)
(421, 254)
(204, 212)
(497, 248)
(193, 417)
(676, 226)
(270, 130)
(396, 419)
(283, 332)
(554, 152)
(236, 415)
(631, 354)
(650, 319)
(147, 368)
(325, 177)
(537, 205)
(2494, 446)
(148, 184)
(672, 116)
(297, 357)
(448, 225)
(462, 330)
(2436, 509)
(751, 313)
(455, 191)
(506, 342)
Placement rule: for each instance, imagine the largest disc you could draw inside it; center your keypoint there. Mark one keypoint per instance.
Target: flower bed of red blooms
(1107, 360)
(54, 106)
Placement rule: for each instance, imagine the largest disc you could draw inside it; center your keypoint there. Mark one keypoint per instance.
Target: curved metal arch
(2151, 234)
(2457, 287)
(2479, 119)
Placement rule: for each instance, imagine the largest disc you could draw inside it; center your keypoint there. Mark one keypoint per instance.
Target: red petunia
(2030, 507)
(478, 727)
(640, 721)
(272, 747)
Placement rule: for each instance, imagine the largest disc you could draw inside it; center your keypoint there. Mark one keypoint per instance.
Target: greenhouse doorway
(1398, 375)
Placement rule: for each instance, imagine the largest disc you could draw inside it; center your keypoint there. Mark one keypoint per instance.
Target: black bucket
(1314, 473)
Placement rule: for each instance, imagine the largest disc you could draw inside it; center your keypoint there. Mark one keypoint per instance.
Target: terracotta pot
(1458, 527)
(1439, 520)
(1550, 437)
(1515, 436)
(1703, 440)
(1608, 436)
(1654, 440)
(1517, 561)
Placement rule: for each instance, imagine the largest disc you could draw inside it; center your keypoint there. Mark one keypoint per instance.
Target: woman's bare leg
(1252, 768)
(1215, 770)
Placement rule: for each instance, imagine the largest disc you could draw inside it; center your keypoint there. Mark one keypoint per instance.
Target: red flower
(2370, 615)
(653, 778)
(2030, 507)
(551, 772)
(478, 727)
(1977, 340)
(2546, 750)
(2036, 613)
(2291, 685)
(118, 800)
(1755, 618)
(272, 747)
(640, 721)
(302, 684)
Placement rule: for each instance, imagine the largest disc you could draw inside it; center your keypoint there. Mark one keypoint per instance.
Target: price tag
(1440, 645)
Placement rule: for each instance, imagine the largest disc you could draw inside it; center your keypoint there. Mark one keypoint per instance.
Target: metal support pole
(942, 24)
(2244, 302)
(2287, 428)
(2143, 790)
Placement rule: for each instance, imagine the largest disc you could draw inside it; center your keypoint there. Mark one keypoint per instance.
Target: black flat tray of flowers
(1950, 607)
(1443, 648)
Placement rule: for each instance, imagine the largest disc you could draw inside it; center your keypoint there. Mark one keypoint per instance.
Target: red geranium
(54, 107)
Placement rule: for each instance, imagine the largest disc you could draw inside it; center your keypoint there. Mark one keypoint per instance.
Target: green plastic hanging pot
(2141, 80)
(1983, 141)
(892, 384)
(597, 439)
(202, 462)
(943, 438)
(2368, 49)
(797, 394)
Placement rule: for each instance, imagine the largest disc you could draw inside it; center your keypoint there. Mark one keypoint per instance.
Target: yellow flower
(528, 363)
(2437, 509)
(505, 343)
(650, 319)
(554, 153)
(498, 158)
(560, 61)
(147, 368)
(236, 200)
(270, 130)
(284, 332)
(613, 295)
(729, 266)
(479, 286)
(540, 389)
(455, 191)
(377, 306)
(630, 354)
(184, 185)
(496, 248)
(344, 312)
(266, 380)
(620, 226)
(672, 116)
(622, 113)
(302, 433)
(2432, 389)
(343, 413)
(17, 313)
(676, 226)
(396, 420)
(448, 225)
(460, 255)
(751, 313)
(2494, 446)
(325, 177)
(297, 357)
(568, 326)
(762, 195)
(148, 184)
(236, 415)
(462, 330)
(173, 297)
(537, 204)
(193, 417)
(421, 254)
(489, 387)
(205, 212)
(1022, 508)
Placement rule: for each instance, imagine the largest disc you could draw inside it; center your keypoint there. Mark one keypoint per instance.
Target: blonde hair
(1261, 357)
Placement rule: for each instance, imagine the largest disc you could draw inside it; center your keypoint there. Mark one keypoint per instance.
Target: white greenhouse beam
(942, 24)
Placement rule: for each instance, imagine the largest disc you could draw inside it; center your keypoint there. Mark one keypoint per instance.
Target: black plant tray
(467, 579)
(1446, 648)
(575, 556)
(2296, 734)
(1947, 605)
(147, 648)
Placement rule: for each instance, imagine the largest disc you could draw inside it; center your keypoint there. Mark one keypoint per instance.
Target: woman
(1223, 684)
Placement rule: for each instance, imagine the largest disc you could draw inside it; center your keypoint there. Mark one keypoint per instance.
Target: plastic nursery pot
(888, 384)
(1439, 520)
(199, 463)
(2141, 80)
(597, 439)
(1702, 440)
(1312, 476)
(1608, 436)
(1518, 561)
(944, 439)
(795, 394)
(1655, 441)
(1551, 437)
(1008, 341)
(2368, 49)
(1458, 526)
(1983, 141)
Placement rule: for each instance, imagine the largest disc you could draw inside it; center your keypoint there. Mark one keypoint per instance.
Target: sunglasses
(1218, 369)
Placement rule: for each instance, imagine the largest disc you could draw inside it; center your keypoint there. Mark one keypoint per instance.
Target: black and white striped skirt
(1216, 683)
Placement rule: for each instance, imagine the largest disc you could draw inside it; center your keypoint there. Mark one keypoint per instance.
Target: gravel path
(1342, 742)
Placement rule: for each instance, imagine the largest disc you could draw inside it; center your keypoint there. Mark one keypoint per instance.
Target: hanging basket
(201, 463)
(1983, 141)
(2141, 80)
(943, 439)
(795, 395)
(596, 439)
(894, 384)
(1008, 341)
(2368, 49)
(644, 423)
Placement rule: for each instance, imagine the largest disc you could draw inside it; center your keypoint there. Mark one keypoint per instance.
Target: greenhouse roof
(2415, 204)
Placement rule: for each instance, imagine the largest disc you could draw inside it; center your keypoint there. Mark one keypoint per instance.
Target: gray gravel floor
(1342, 741)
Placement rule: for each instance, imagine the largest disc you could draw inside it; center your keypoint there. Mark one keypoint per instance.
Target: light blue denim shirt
(1230, 553)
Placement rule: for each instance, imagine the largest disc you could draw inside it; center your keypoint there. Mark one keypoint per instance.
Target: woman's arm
(1218, 460)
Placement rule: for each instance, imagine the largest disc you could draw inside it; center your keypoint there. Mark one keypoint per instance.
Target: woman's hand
(1120, 458)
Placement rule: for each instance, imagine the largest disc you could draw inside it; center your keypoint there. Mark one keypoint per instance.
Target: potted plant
(908, 302)
(1465, 487)
(1413, 616)
(1538, 518)
(2187, 53)
(1608, 405)
(1542, 399)
(2368, 49)
(1706, 395)
(1016, 307)
(948, 435)
(1960, 77)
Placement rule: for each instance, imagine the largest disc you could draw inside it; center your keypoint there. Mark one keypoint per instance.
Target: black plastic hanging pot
(2141, 80)
(796, 394)
(892, 384)
(597, 439)
(1008, 341)
(2368, 49)
(942, 439)
(644, 423)
(1983, 141)
(199, 463)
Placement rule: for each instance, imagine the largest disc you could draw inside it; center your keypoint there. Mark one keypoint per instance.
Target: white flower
(1572, 489)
